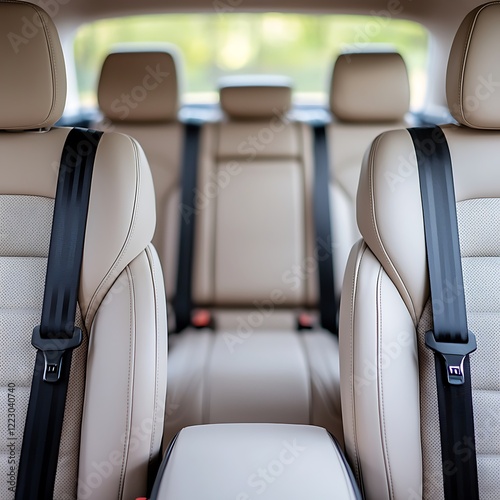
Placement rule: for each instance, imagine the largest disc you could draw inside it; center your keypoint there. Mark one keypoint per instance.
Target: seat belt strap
(57, 336)
(328, 301)
(182, 302)
(450, 338)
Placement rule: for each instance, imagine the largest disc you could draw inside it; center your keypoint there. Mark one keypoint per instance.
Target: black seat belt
(328, 301)
(450, 338)
(183, 300)
(57, 335)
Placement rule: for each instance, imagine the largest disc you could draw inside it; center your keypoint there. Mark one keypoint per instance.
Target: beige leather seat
(389, 401)
(138, 95)
(369, 95)
(114, 413)
(255, 269)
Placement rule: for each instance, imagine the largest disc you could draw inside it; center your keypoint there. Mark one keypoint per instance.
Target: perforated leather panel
(25, 226)
(479, 229)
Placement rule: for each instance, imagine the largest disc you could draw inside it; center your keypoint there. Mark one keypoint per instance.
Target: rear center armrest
(247, 461)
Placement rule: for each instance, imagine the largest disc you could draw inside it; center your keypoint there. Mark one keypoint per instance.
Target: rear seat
(138, 95)
(255, 270)
(254, 267)
(369, 94)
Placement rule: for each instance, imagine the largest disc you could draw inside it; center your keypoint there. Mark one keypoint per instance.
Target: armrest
(249, 461)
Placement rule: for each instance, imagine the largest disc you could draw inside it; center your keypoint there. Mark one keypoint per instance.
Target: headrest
(139, 85)
(32, 74)
(473, 76)
(370, 87)
(255, 97)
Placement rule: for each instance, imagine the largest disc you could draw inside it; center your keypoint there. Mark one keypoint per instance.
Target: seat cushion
(253, 376)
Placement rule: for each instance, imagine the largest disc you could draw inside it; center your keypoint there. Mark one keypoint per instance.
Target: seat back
(254, 227)
(255, 268)
(388, 381)
(369, 95)
(138, 95)
(114, 412)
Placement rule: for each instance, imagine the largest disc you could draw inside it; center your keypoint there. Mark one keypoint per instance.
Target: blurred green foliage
(302, 47)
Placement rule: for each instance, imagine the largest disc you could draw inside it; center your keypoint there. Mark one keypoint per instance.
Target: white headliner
(440, 17)
(445, 12)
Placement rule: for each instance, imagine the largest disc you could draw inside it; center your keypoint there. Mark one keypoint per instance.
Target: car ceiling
(428, 12)
(440, 17)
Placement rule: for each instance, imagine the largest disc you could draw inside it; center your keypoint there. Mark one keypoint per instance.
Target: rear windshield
(302, 47)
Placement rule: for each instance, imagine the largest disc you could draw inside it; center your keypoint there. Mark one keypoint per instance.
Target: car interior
(249, 251)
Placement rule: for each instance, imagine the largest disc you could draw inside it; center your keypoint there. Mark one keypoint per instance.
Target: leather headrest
(32, 74)
(370, 87)
(139, 86)
(473, 76)
(255, 97)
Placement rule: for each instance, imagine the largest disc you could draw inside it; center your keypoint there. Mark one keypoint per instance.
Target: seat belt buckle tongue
(453, 354)
(53, 350)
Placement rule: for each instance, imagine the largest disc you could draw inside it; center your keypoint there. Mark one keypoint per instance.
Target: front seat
(114, 411)
(388, 380)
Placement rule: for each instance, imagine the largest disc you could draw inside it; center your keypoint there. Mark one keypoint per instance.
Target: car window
(302, 47)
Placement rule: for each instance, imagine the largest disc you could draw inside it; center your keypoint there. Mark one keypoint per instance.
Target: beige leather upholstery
(255, 97)
(253, 375)
(389, 400)
(245, 461)
(370, 87)
(28, 49)
(255, 268)
(114, 416)
(472, 84)
(259, 226)
(369, 95)
(153, 123)
(139, 86)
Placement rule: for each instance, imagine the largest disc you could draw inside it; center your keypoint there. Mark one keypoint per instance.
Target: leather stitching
(301, 140)
(354, 289)
(92, 308)
(157, 350)
(205, 386)
(128, 426)
(468, 39)
(53, 67)
(310, 375)
(371, 164)
(40, 14)
(380, 385)
(463, 63)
